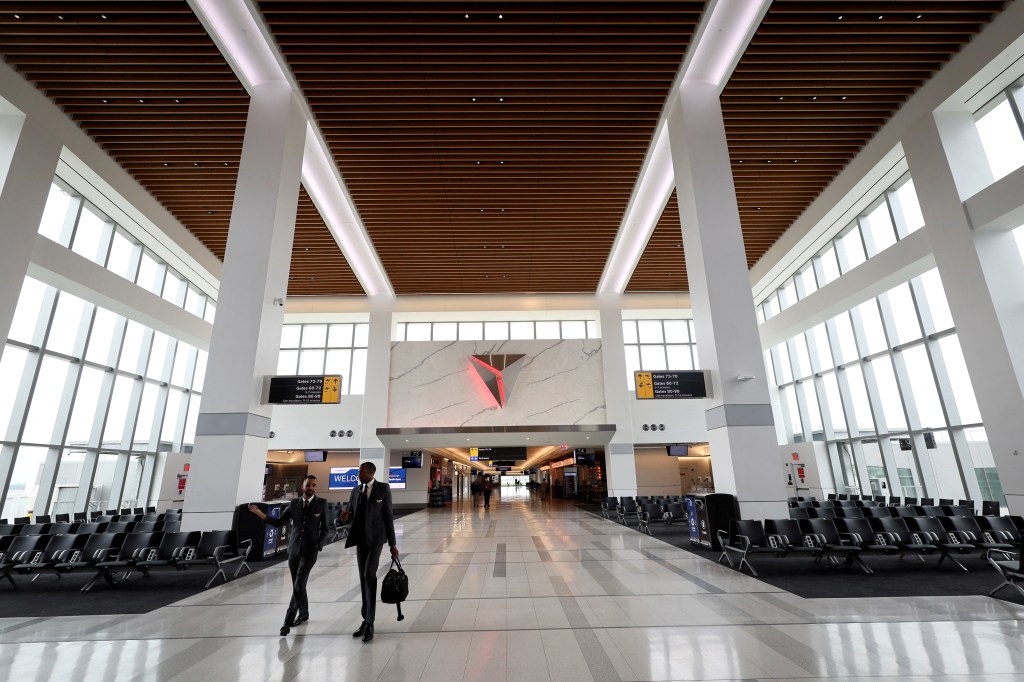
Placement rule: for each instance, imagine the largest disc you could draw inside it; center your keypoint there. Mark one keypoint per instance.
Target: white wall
(433, 383)
(308, 427)
(169, 465)
(683, 419)
(656, 472)
(813, 457)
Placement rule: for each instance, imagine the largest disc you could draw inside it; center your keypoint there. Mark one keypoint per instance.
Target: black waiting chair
(216, 549)
(22, 520)
(932, 511)
(608, 506)
(138, 510)
(747, 537)
(988, 508)
(789, 531)
(894, 501)
(35, 529)
(62, 528)
(136, 547)
(648, 512)
(1000, 529)
(147, 527)
(9, 529)
(880, 500)
(22, 550)
(173, 547)
(879, 512)
(99, 547)
(823, 513)
(59, 548)
(675, 512)
(120, 526)
(909, 501)
(62, 518)
(927, 501)
(42, 518)
(90, 528)
(824, 534)
(969, 531)
(799, 513)
(850, 513)
(969, 504)
(626, 510)
(906, 512)
(945, 502)
(858, 532)
(957, 510)
(930, 530)
(894, 531)
(80, 516)
(1009, 570)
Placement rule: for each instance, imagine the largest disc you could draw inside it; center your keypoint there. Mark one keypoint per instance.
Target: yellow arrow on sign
(332, 389)
(644, 385)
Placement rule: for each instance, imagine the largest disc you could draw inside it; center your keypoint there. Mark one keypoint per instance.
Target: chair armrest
(104, 554)
(218, 552)
(778, 542)
(247, 544)
(723, 539)
(184, 553)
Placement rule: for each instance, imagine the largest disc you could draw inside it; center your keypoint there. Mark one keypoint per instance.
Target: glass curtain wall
(654, 345)
(90, 397)
(884, 383)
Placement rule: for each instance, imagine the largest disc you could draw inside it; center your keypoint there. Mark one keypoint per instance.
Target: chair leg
(239, 569)
(947, 555)
(220, 572)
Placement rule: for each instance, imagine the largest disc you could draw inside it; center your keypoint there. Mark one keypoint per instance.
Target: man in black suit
(373, 523)
(308, 516)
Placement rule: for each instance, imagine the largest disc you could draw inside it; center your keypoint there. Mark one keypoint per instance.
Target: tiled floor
(528, 591)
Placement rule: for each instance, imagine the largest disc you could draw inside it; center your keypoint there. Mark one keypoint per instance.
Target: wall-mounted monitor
(678, 450)
(585, 459)
(412, 462)
(316, 455)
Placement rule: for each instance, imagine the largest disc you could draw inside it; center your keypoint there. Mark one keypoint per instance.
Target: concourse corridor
(527, 590)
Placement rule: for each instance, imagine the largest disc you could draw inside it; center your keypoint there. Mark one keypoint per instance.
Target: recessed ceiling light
(210, 212)
(502, 210)
(768, 161)
(61, 17)
(17, 16)
(467, 16)
(781, 98)
(226, 163)
(796, 160)
(919, 16)
(502, 163)
(881, 16)
(814, 97)
(474, 99)
(478, 162)
(195, 163)
(105, 101)
(177, 101)
(142, 100)
(481, 210)
(758, 208)
(103, 16)
(839, 18)
(501, 99)
(166, 164)
(500, 16)
(740, 161)
(843, 98)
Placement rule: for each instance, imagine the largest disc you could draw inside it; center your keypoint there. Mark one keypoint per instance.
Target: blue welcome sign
(346, 478)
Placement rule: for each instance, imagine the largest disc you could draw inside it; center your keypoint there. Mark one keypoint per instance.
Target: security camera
(279, 302)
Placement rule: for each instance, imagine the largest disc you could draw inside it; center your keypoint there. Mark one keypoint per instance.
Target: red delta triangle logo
(499, 373)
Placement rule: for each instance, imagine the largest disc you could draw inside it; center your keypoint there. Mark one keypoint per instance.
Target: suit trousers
(300, 564)
(368, 559)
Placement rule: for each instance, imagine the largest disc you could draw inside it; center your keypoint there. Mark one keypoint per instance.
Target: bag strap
(396, 561)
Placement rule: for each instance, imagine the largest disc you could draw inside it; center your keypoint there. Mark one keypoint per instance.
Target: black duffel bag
(395, 587)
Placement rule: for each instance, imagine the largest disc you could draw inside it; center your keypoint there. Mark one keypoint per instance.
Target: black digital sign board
(671, 384)
(304, 390)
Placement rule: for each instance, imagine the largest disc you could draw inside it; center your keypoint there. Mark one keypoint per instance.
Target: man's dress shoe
(360, 631)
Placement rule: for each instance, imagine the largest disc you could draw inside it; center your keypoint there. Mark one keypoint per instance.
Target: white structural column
(378, 382)
(620, 459)
(28, 160)
(233, 428)
(741, 432)
(983, 279)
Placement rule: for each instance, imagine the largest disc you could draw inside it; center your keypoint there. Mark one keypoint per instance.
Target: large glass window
(658, 345)
(329, 349)
(1001, 135)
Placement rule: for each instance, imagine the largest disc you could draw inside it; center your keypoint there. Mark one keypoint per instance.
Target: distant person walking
(474, 488)
(487, 491)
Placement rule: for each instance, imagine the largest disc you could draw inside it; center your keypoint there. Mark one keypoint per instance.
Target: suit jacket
(379, 518)
(308, 529)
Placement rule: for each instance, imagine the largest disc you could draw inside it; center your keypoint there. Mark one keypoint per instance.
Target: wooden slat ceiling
(522, 190)
(818, 80)
(519, 191)
(149, 85)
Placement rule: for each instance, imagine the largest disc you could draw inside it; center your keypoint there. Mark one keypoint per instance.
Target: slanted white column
(378, 381)
(983, 279)
(234, 427)
(28, 159)
(619, 458)
(741, 431)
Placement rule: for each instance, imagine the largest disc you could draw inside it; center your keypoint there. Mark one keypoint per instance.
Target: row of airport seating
(846, 541)
(115, 556)
(988, 507)
(877, 512)
(90, 516)
(85, 527)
